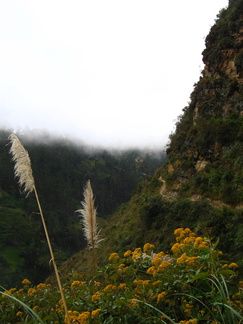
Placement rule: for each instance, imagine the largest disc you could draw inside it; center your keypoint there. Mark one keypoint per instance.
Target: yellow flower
(189, 306)
(241, 284)
(77, 283)
(164, 265)
(127, 253)
(198, 241)
(122, 286)
(19, 313)
(136, 254)
(189, 240)
(178, 231)
(206, 244)
(35, 308)
(161, 296)
(83, 317)
(182, 259)
(114, 257)
(181, 246)
(156, 260)
(225, 266)
(147, 247)
(176, 248)
(95, 312)
(152, 270)
(141, 282)
(41, 286)
(233, 265)
(133, 303)
(31, 291)
(96, 296)
(26, 282)
(110, 287)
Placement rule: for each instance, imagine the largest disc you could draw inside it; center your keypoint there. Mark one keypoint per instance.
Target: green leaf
(215, 244)
(200, 275)
(227, 273)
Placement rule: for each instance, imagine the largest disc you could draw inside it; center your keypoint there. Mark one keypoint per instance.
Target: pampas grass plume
(22, 167)
(88, 214)
(23, 170)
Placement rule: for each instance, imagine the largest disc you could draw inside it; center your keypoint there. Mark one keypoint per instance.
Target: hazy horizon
(108, 74)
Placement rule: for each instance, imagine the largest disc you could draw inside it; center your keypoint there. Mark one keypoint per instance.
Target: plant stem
(52, 257)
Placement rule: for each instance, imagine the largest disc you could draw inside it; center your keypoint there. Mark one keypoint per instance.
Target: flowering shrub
(191, 285)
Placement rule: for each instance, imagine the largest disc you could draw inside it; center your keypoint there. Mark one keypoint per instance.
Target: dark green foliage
(158, 213)
(222, 33)
(239, 62)
(61, 170)
(211, 127)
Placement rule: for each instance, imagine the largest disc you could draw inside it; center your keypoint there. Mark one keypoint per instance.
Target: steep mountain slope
(200, 186)
(205, 152)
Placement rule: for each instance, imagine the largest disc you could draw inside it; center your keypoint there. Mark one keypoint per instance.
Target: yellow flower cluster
(184, 238)
(127, 253)
(160, 262)
(133, 303)
(43, 286)
(200, 242)
(188, 309)
(113, 257)
(110, 288)
(8, 292)
(122, 268)
(148, 247)
(96, 296)
(152, 270)
(31, 291)
(26, 282)
(82, 318)
(136, 254)
(157, 258)
(141, 282)
(76, 284)
(186, 260)
(122, 286)
(161, 296)
(182, 233)
(190, 321)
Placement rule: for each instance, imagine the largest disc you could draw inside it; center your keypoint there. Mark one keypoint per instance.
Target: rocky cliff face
(208, 136)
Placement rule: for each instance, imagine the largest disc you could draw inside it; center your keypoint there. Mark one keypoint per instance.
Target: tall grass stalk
(23, 171)
(88, 214)
(156, 310)
(227, 313)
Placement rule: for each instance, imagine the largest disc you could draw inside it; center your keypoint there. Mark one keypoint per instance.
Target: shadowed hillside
(61, 169)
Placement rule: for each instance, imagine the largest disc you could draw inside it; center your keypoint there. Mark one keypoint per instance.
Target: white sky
(109, 72)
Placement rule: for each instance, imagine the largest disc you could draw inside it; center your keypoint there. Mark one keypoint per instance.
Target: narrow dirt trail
(163, 187)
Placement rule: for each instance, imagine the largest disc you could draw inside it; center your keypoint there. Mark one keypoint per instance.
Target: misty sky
(111, 73)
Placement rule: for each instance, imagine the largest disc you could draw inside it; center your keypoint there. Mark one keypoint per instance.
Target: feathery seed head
(88, 214)
(22, 167)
